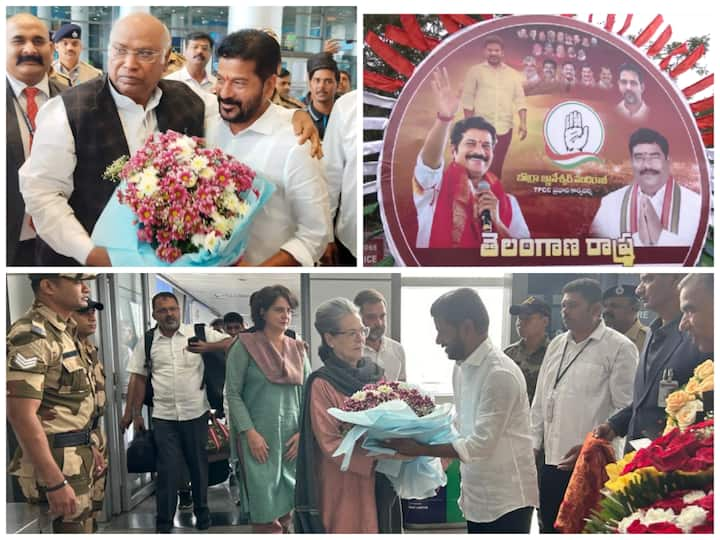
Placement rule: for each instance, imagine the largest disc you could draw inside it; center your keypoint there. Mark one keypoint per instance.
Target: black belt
(70, 438)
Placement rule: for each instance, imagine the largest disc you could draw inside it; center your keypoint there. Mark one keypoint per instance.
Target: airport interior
(129, 502)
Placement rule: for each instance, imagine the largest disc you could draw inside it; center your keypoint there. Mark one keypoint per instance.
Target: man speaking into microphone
(457, 204)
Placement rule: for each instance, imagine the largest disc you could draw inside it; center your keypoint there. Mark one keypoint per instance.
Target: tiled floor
(224, 514)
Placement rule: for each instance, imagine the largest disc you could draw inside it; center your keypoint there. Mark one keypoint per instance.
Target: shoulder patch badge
(25, 363)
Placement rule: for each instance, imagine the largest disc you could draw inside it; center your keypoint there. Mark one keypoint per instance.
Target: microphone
(485, 219)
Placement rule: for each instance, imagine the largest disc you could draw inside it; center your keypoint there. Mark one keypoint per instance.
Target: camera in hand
(193, 339)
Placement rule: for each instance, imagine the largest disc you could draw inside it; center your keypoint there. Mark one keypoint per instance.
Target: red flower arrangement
(689, 451)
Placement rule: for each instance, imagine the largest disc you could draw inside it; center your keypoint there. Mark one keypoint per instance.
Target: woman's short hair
(261, 300)
(327, 319)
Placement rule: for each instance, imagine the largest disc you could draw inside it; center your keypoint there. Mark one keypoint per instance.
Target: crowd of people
(521, 415)
(67, 122)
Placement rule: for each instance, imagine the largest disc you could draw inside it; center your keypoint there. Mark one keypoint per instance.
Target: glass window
(427, 363)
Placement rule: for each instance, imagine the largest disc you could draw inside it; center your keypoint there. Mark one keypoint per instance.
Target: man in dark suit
(27, 89)
(666, 363)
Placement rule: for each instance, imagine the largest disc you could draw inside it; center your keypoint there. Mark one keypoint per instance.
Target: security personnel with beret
(86, 327)
(69, 46)
(52, 402)
(620, 312)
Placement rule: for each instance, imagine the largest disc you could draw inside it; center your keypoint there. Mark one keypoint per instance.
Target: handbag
(142, 453)
(218, 443)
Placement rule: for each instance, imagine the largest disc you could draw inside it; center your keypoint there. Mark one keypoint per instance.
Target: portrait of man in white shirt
(654, 208)
(198, 53)
(293, 228)
(631, 86)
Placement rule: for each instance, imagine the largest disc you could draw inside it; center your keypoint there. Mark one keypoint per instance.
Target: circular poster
(542, 140)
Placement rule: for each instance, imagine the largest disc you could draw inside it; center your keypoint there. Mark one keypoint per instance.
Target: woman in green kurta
(266, 370)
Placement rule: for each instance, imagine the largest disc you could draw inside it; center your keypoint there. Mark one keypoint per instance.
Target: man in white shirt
(198, 52)
(89, 126)
(93, 124)
(180, 406)
(384, 351)
(654, 208)
(293, 228)
(631, 86)
(28, 88)
(586, 376)
(457, 204)
(340, 161)
(499, 482)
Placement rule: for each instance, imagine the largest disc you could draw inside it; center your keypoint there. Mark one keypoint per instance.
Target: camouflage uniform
(45, 362)
(97, 435)
(528, 363)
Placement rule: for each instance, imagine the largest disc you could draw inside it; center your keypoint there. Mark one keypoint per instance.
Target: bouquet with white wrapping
(390, 410)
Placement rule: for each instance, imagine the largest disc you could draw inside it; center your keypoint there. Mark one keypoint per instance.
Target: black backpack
(213, 375)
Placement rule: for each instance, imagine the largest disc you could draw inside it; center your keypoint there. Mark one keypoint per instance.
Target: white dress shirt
(430, 181)
(177, 374)
(340, 146)
(390, 357)
(606, 223)
(595, 386)
(42, 97)
(296, 219)
(637, 116)
(495, 447)
(200, 88)
(49, 170)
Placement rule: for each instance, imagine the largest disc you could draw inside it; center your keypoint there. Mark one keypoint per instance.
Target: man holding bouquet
(80, 133)
(499, 482)
(293, 228)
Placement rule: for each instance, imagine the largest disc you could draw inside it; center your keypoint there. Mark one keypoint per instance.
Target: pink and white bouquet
(388, 410)
(189, 204)
(373, 395)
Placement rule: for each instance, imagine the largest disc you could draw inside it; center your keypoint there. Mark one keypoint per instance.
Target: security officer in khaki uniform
(86, 327)
(52, 403)
(69, 46)
(620, 312)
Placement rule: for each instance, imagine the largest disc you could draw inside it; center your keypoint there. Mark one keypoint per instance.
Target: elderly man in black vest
(92, 125)
(28, 88)
(89, 127)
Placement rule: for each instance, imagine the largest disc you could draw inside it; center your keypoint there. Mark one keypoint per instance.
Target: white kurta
(495, 446)
(606, 223)
(340, 147)
(296, 219)
(46, 178)
(430, 181)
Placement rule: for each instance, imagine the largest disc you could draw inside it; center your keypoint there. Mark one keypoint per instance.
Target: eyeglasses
(362, 332)
(144, 56)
